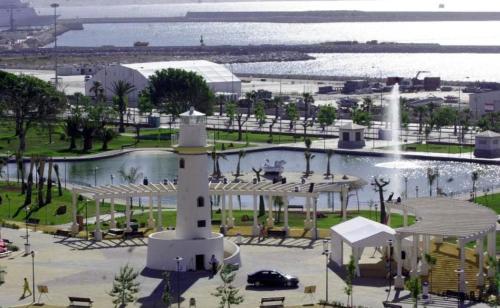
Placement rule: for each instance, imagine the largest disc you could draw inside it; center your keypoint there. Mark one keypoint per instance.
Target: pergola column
(151, 220)
(307, 221)
(399, 279)
(127, 214)
(97, 232)
(255, 227)
(74, 227)
(389, 215)
(314, 230)
(230, 220)
(159, 225)
(405, 217)
(112, 222)
(461, 244)
(344, 192)
(270, 218)
(286, 228)
(414, 255)
(480, 259)
(426, 244)
(492, 251)
(223, 213)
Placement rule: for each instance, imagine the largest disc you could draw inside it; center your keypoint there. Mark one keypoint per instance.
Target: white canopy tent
(358, 233)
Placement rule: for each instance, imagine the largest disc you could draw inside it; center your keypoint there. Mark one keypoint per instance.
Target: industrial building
(483, 103)
(218, 77)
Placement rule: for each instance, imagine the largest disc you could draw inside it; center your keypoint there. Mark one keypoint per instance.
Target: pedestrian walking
(26, 288)
(261, 233)
(215, 264)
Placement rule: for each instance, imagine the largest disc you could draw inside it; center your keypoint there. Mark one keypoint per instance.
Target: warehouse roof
(211, 72)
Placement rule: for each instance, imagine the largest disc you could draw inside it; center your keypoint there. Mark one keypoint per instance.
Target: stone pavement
(81, 268)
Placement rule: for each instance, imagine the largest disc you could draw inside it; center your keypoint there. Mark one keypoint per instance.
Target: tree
(431, 178)
(48, 195)
(121, 90)
(125, 286)
(292, 114)
(379, 186)
(308, 100)
(41, 175)
(59, 187)
(241, 121)
(474, 178)
(28, 100)
(173, 91)
(260, 113)
(97, 89)
(72, 129)
(361, 117)
(231, 112)
(106, 135)
(278, 201)
(326, 115)
(367, 104)
(227, 293)
(329, 154)
(262, 208)
(251, 98)
(421, 112)
(490, 121)
(351, 272)
(217, 173)
(443, 116)
(431, 262)
(166, 296)
(308, 156)
(131, 176)
(241, 154)
(305, 125)
(414, 285)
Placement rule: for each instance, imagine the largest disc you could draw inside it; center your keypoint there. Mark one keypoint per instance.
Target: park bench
(32, 222)
(454, 294)
(391, 305)
(133, 234)
(276, 233)
(266, 300)
(74, 299)
(62, 233)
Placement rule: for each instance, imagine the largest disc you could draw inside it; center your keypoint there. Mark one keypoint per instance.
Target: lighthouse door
(200, 262)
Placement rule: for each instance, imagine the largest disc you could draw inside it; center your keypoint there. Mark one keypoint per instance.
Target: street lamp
(55, 6)
(326, 252)
(178, 260)
(33, 273)
(389, 258)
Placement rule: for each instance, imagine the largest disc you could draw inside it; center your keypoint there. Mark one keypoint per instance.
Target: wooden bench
(276, 233)
(32, 222)
(391, 305)
(74, 299)
(62, 233)
(272, 300)
(454, 294)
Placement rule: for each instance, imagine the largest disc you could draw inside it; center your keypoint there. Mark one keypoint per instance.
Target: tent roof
(363, 232)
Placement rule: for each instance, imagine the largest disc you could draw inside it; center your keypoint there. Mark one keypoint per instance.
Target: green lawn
(14, 211)
(436, 148)
(255, 137)
(492, 201)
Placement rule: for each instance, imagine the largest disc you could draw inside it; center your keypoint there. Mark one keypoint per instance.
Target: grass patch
(256, 137)
(435, 148)
(492, 201)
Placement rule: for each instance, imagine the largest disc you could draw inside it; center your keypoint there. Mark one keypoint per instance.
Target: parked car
(272, 278)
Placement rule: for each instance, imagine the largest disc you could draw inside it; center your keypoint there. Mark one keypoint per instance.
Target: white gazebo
(358, 233)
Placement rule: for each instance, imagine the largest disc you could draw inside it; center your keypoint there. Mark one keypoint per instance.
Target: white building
(482, 103)
(487, 145)
(218, 77)
(351, 136)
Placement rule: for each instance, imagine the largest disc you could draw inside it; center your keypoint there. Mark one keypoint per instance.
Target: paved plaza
(76, 267)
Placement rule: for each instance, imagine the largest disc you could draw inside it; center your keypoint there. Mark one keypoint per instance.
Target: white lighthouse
(192, 239)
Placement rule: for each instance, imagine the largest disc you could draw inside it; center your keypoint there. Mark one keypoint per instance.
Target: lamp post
(460, 294)
(33, 273)
(326, 252)
(86, 218)
(27, 244)
(112, 178)
(178, 260)
(389, 258)
(95, 176)
(55, 6)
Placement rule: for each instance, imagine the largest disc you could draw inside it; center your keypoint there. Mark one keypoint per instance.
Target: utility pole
(55, 6)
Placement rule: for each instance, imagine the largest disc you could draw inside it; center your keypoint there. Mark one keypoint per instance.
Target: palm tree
(431, 178)
(131, 176)
(121, 90)
(241, 154)
(96, 89)
(308, 156)
(251, 97)
(475, 178)
(308, 100)
(329, 154)
(215, 157)
(59, 187)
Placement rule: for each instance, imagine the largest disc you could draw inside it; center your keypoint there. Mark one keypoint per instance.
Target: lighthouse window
(202, 223)
(201, 202)
(181, 163)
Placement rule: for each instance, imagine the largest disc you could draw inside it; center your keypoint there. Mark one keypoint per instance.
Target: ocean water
(463, 66)
(216, 33)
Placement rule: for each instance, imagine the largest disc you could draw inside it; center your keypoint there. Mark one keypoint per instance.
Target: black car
(272, 278)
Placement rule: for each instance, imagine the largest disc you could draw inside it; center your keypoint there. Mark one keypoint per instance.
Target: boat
(276, 169)
(141, 44)
(14, 14)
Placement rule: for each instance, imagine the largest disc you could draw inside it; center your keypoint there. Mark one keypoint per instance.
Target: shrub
(12, 247)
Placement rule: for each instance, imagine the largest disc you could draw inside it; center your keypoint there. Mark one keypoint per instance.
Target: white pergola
(226, 190)
(445, 218)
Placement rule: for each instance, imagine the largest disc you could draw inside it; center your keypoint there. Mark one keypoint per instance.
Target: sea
(448, 66)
